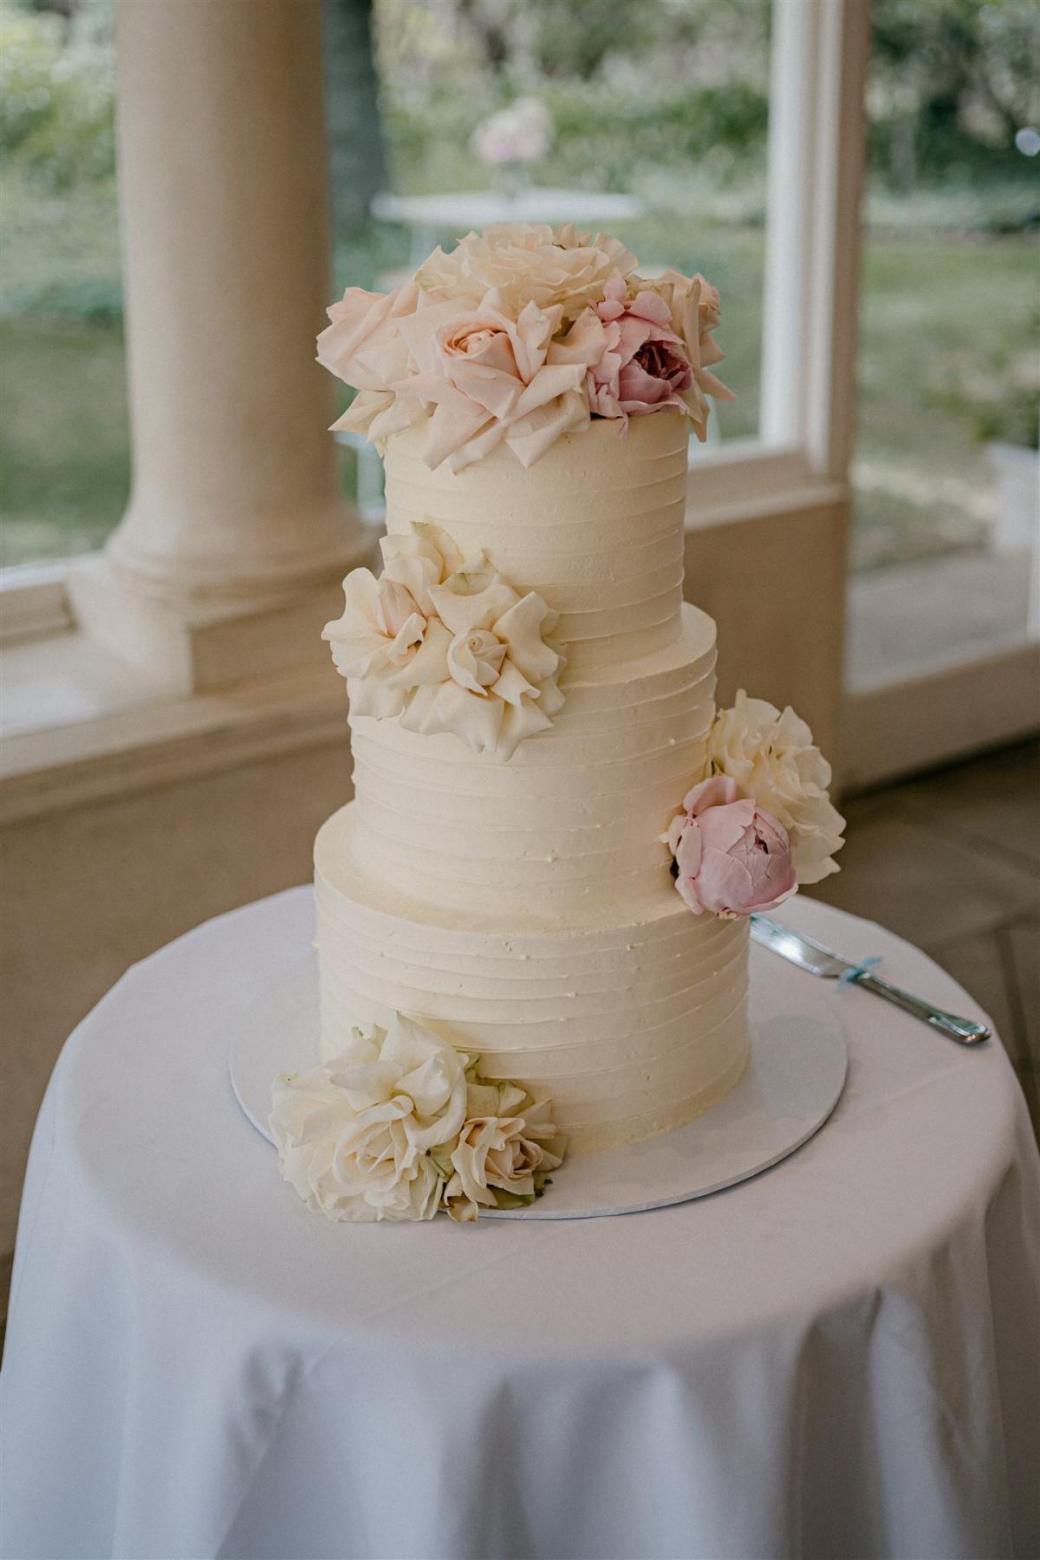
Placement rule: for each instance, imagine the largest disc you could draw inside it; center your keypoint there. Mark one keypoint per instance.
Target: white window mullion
(819, 56)
(794, 60)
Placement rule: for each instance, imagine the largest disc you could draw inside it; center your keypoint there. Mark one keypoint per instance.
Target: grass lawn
(942, 317)
(64, 439)
(939, 311)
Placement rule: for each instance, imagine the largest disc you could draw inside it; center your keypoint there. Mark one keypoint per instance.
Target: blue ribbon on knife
(852, 974)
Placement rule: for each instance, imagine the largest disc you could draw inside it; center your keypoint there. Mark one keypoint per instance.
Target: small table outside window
(430, 215)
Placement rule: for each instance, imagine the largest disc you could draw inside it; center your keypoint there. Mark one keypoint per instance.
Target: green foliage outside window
(669, 98)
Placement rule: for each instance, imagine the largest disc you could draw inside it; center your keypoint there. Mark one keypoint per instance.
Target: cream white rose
(512, 1154)
(362, 345)
(376, 414)
(448, 646)
(501, 673)
(526, 263)
(389, 641)
(475, 659)
(420, 559)
(383, 644)
(772, 758)
(355, 1135)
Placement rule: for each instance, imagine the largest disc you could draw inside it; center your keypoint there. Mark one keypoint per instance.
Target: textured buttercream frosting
(630, 1028)
(526, 907)
(595, 527)
(570, 825)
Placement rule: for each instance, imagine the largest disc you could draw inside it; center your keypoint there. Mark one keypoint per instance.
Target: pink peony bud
(731, 858)
(643, 366)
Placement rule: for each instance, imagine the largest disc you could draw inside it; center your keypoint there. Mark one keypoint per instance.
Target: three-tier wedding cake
(532, 919)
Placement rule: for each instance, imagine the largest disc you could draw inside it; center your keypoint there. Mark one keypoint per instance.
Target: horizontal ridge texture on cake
(631, 1027)
(595, 527)
(572, 821)
(526, 906)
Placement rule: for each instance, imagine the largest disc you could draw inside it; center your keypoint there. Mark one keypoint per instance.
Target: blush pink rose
(363, 345)
(644, 365)
(731, 858)
(486, 378)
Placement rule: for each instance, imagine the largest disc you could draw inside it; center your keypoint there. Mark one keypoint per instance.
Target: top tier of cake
(595, 527)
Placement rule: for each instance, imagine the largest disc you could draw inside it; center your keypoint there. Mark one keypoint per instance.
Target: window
(721, 135)
(656, 132)
(945, 594)
(65, 451)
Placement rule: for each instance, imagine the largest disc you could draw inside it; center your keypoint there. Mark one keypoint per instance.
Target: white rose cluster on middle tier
(447, 645)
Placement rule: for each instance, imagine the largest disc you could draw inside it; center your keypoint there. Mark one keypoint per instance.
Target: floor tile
(1020, 946)
(926, 885)
(978, 964)
(951, 861)
(993, 803)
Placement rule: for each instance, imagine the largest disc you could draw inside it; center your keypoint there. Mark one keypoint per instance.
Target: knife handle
(964, 1030)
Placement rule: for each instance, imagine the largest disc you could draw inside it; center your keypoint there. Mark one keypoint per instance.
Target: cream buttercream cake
(555, 840)
(528, 905)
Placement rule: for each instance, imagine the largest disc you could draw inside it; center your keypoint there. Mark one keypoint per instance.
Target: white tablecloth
(838, 1358)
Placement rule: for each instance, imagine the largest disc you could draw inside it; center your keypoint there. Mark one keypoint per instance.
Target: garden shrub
(57, 95)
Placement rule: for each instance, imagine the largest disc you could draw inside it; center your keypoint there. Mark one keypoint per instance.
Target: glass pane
(64, 443)
(670, 115)
(946, 477)
(648, 123)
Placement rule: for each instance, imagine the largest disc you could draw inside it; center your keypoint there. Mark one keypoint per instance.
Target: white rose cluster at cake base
(402, 1126)
(555, 840)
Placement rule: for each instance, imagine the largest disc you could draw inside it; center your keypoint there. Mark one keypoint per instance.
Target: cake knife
(811, 956)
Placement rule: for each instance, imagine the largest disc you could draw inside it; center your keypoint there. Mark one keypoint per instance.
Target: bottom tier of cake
(632, 1027)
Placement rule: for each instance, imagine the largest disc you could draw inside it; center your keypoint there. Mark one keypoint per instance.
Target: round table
(471, 210)
(838, 1358)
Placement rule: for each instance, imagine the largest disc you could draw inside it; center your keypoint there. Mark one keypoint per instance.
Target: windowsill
(941, 662)
(748, 479)
(79, 726)
(920, 619)
(66, 679)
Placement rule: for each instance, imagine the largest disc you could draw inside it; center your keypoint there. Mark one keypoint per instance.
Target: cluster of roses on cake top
(520, 334)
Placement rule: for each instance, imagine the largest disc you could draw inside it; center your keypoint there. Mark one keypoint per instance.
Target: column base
(190, 647)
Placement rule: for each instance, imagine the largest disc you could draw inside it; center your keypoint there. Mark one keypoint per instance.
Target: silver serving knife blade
(812, 956)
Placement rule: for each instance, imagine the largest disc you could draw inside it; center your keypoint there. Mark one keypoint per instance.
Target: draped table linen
(838, 1358)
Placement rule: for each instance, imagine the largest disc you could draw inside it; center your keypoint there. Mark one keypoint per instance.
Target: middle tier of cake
(568, 830)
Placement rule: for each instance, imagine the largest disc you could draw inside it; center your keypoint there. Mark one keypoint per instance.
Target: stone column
(234, 508)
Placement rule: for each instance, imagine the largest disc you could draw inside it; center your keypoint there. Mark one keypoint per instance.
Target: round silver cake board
(793, 1080)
